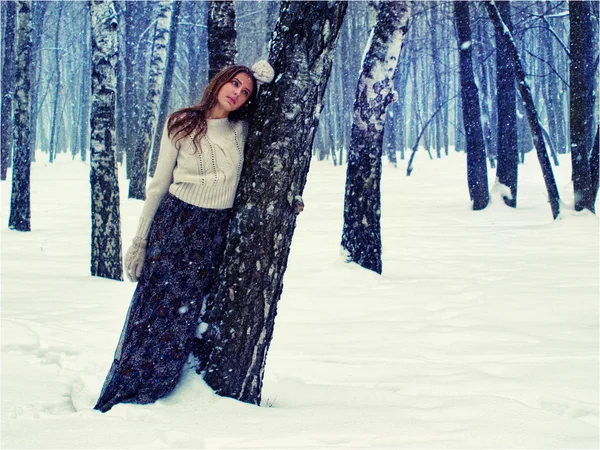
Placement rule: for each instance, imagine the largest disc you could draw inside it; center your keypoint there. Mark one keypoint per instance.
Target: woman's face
(235, 92)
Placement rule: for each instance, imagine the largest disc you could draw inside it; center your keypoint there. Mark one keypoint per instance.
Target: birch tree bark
(139, 168)
(20, 206)
(221, 36)
(361, 234)
(165, 97)
(241, 316)
(476, 162)
(106, 225)
(508, 154)
(531, 112)
(582, 99)
(8, 82)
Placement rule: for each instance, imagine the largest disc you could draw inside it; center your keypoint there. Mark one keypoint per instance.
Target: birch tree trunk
(582, 99)
(8, 82)
(531, 112)
(86, 87)
(57, 86)
(221, 36)
(20, 207)
(106, 226)
(139, 168)
(241, 316)
(476, 162)
(361, 234)
(163, 109)
(508, 155)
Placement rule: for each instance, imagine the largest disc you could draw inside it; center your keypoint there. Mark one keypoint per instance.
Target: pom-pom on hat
(263, 72)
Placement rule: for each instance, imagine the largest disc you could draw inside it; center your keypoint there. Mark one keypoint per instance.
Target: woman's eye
(246, 93)
(235, 83)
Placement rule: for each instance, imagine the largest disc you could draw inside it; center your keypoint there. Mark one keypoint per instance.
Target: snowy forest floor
(481, 333)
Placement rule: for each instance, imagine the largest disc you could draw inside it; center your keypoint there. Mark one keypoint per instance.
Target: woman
(181, 236)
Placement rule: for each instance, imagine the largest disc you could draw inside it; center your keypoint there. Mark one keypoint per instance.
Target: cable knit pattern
(207, 177)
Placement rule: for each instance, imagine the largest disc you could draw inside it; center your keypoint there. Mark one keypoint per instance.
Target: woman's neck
(216, 113)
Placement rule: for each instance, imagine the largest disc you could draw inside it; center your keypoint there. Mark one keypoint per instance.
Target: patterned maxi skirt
(185, 247)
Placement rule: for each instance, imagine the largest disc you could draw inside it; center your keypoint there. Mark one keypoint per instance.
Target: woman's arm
(159, 186)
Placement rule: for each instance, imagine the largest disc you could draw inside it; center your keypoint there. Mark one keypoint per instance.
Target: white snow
(482, 331)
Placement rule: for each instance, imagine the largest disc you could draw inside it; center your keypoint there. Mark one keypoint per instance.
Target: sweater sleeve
(159, 186)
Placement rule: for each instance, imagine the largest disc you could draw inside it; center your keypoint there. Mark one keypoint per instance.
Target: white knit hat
(263, 72)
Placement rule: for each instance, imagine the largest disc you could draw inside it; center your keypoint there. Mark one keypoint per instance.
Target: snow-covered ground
(482, 331)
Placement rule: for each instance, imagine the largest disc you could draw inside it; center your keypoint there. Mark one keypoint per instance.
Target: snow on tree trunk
(241, 316)
(361, 234)
(476, 162)
(508, 154)
(20, 207)
(594, 165)
(582, 99)
(106, 226)
(221, 36)
(158, 62)
(166, 93)
(530, 111)
(8, 82)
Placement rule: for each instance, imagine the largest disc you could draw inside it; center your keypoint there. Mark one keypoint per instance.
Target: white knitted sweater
(207, 177)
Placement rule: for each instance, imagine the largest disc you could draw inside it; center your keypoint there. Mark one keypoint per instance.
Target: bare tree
(476, 161)
(8, 81)
(241, 316)
(221, 35)
(361, 234)
(531, 112)
(139, 168)
(582, 84)
(165, 98)
(20, 205)
(106, 224)
(508, 156)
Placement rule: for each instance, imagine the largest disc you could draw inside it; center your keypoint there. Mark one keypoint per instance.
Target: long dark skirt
(184, 250)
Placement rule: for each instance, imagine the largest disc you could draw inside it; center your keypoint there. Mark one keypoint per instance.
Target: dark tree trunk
(361, 234)
(8, 82)
(221, 36)
(106, 224)
(582, 83)
(163, 109)
(508, 155)
(139, 168)
(476, 162)
(531, 112)
(20, 205)
(241, 316)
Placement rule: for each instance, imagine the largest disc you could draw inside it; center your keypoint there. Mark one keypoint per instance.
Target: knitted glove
(134, 259)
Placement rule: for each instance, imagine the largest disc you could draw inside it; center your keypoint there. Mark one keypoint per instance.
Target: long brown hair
(191, 121)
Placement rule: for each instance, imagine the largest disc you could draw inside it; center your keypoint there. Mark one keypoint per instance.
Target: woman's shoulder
(241, 126)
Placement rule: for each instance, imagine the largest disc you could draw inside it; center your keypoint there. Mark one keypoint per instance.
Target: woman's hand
(134, 259)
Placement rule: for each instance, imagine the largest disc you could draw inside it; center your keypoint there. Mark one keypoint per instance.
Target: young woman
(181, 236)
